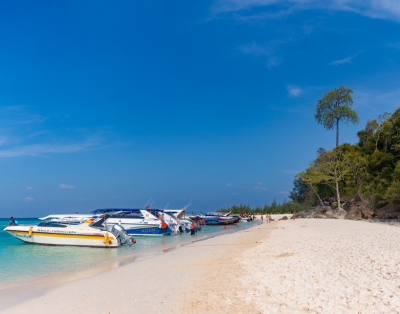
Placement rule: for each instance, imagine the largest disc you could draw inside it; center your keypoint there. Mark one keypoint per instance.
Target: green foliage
(299, 192)
(334, 205)
(369, 170)
(334, 107)
(274, 208)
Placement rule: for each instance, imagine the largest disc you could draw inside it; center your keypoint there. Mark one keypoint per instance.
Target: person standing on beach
(192, 229)
(262, 219)
(294, 216)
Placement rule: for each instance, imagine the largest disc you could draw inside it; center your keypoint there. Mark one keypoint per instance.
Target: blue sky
(108, 104)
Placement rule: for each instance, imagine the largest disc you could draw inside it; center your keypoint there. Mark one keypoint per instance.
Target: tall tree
(334, 107)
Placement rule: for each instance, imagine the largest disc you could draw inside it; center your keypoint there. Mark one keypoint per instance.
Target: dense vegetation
(274, 208)
(368, 171)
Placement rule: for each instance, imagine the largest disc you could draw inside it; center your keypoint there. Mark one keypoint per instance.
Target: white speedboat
(72, 230)
(147, 222)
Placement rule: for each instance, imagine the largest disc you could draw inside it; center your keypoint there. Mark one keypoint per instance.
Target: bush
(334, 205)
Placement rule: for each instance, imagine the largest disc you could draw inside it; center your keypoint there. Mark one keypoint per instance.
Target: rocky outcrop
(284, 218)
(349, 210)
(322, 212)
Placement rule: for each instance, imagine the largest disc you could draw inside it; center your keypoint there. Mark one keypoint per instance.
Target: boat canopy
(107, 210)
(76, 216)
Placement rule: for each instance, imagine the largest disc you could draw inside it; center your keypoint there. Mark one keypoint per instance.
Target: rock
(335, 214)
(322, 212)
(353, 213)
(284, 218)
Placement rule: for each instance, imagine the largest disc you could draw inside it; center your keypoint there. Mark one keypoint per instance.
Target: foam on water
(21, 261)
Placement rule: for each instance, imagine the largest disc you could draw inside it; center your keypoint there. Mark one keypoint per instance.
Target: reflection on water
(21, 261)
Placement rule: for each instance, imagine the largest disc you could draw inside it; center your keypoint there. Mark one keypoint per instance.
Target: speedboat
(148, 222)
(214, 219)
(72, 230)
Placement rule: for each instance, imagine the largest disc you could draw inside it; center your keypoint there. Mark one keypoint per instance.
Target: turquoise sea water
(23, 261)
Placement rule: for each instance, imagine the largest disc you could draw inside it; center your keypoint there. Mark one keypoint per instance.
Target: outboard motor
(120, 234)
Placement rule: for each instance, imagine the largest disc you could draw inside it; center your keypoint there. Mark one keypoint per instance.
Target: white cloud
(283, 192)
(259, 183)
(28, 199)
(43, 149)
(381, 9)
(267, 50)
(272, 62)
(294, 91)
(375, 100)
(29, 188)
(256, 49)
(259, 187)
(394, 45)
(65, 186)
(342, 61)
(229, 184)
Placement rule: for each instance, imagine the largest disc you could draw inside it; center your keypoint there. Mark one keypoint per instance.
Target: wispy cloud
(381, 9)
(376, 100)
(29, 188)
(65, 186)
(394, 45)
(28, 199)
(273, 62)
(256, 49)
(290, 171)
(259, 186)
(44, 149)
(266, 50)
(294, 91)
(342, 61)
(229, 184)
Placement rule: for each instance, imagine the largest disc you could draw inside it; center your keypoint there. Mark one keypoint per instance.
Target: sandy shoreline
(31, 294)
(302, 266)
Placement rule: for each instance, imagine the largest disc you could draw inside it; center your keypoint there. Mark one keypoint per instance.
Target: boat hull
(217, 221)
(144, 230)
(65, 237)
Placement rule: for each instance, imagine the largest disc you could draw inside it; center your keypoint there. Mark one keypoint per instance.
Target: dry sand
(302, 266)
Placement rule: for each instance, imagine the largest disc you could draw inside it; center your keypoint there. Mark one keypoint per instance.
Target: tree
(330, 170)
(334, 107)
(310, 177)
(376, 127)
(299, 190)
(357, 171)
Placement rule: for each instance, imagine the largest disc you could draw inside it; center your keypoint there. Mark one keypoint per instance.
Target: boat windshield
(132, 215)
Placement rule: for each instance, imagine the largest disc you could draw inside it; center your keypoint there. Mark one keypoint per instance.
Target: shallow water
(21, 261)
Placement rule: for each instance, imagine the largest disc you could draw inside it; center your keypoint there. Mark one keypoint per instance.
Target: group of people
(267, 217)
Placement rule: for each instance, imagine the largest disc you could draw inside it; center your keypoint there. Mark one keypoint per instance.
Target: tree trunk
(337, 132)
(337, 192)
(360, 195)
(322, 204)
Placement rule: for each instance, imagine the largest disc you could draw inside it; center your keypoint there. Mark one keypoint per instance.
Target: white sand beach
(302, 266)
